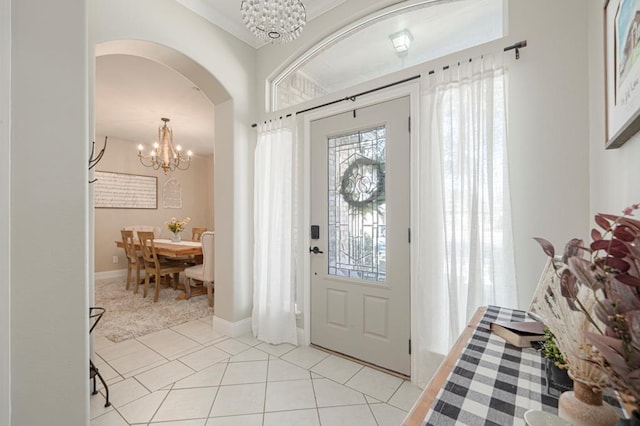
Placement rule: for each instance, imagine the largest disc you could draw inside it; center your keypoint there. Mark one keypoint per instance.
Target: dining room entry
(360, 216)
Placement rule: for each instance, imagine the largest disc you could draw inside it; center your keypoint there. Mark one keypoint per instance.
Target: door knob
(315, 250)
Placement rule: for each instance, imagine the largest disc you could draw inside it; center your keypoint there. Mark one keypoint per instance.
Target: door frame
(411, 89)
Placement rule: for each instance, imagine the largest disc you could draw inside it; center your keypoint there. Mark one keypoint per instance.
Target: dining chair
(196, 233)
(135, 228)
(134, 257)
(205, 271)
(153, 267)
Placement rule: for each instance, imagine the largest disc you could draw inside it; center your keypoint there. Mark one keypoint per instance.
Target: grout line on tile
(186, 352)
(141, 384)
(353, 375)
(147, 346)
(315, 397)
(317, 363)
(188, 337)
(371, 411)
(116, 410)
(160, 405)
(214, 399)
(266, 383)
(181, 362)
(345, 405)
(395, 392)
(119, 374)
(145, 368)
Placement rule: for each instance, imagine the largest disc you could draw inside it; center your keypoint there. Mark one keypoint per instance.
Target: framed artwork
(125, 191)
(622, 70)
(172, 194)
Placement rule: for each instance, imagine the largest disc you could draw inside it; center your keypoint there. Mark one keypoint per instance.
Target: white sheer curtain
(273, 316)
(465, 246)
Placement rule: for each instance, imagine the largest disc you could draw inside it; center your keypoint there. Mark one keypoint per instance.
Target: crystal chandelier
(165, 154)
(274, 20)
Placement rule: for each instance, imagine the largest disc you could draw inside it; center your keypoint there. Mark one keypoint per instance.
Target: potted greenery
(556, 367)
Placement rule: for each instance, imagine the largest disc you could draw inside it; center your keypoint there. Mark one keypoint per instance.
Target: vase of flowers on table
(176, 227)
(601, 283)
(583, 405)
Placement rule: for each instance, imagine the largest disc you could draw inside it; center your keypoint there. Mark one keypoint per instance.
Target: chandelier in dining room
(274, 20)
(165, 154)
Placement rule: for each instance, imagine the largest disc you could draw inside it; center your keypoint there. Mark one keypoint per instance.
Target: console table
(485, 381)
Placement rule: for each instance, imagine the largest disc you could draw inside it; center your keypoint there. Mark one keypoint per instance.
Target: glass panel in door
(356, 207)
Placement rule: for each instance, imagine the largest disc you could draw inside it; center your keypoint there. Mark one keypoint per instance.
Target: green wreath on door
(362, 183)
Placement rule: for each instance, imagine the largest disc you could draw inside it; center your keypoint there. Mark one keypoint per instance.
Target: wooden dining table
(170, 249)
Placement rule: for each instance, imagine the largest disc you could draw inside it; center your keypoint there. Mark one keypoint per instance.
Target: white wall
(548, 131)
(224, 216)
(548, 128)
(614, 174)
(232, 63)
(5, 212)
(49, 210)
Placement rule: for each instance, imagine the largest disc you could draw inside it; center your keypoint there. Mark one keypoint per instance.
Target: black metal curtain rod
(351, 98)
(517, 46)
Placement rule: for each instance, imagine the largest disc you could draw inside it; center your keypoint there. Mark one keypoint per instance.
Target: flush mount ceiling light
(401, 42)
(274, 20)
(165, 154)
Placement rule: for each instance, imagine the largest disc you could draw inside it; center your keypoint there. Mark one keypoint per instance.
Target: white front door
(360, 288)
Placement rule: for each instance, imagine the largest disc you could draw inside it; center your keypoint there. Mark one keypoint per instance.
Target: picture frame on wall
(622, 70)
(125, 191)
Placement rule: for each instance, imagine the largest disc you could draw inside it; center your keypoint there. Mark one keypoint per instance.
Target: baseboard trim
(231, 329)
(106, 275)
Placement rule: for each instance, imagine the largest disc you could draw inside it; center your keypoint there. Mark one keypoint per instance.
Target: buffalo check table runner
(493, 382)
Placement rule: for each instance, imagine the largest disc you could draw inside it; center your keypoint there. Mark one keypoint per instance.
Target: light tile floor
(190, 376)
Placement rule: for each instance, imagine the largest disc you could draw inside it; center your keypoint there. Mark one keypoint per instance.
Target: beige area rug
(130, 315)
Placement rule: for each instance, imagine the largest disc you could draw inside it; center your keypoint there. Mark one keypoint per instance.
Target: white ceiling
(438, 29)
(133, 93)
(226, 15)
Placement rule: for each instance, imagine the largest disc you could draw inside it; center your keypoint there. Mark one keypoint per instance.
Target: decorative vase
(176, 238)
(634, 420)
(584, 407)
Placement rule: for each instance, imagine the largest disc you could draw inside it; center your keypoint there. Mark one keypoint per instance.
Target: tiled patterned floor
(190, 376)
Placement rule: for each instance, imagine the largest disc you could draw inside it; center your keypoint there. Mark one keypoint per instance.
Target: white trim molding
(289, 68)
(107, 275)
(231, 329)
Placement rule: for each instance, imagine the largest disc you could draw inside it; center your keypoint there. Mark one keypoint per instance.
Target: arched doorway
(158, 59)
